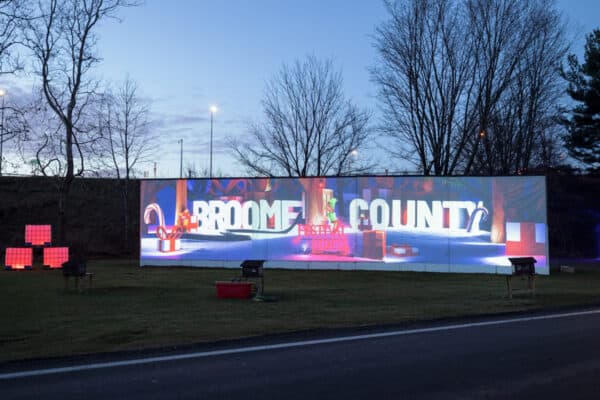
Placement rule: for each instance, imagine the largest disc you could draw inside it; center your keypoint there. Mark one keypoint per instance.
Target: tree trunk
(64, 187)
(126, 230)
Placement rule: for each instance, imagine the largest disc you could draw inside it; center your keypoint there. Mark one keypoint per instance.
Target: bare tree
(425, 81)
(129, 140)
(520, 46)
(468, 86)
(125, 126)
(63, 44)
(309, 129)
(11, 17)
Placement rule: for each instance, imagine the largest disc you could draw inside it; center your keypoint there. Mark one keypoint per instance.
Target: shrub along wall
(574, 216)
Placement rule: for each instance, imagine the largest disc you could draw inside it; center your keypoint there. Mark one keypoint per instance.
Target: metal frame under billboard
(438, 224)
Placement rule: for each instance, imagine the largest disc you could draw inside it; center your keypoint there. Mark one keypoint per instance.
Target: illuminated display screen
(454, 224)
(38, 235)
(18, 257)
(54, 257)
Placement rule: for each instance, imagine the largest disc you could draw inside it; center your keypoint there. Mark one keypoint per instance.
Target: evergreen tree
(583, 126)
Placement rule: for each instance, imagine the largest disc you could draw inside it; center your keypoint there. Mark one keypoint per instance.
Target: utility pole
(3, 95)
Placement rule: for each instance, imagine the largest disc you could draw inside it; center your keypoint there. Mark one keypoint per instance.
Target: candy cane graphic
(479, 214)
(159, 214)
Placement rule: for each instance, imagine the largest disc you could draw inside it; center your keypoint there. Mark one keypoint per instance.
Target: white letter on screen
(250, 215)
(200, 210)
(216, 219)
(288, 215)
(432, 218)
(272, 211)
(233, 215)
(356, 206)
(380, 214)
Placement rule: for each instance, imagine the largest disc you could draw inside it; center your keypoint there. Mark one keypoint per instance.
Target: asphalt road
(541, 358)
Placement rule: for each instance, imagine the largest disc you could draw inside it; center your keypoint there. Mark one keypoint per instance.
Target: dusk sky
(200, 53)
(186, 55)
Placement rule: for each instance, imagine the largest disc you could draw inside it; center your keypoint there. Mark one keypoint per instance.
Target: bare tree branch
(13, 14)
(467, 86)
(309, 128)
(124, 120)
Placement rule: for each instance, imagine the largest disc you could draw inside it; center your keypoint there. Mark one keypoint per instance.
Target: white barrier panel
(450, 224)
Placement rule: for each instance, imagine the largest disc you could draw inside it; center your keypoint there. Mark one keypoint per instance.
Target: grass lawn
(132, 308)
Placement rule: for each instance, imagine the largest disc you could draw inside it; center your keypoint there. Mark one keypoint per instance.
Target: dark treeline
(95, 220)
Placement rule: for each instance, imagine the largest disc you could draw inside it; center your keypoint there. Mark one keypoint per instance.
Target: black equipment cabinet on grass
(78, 270)
(254, 269)
(523, 267)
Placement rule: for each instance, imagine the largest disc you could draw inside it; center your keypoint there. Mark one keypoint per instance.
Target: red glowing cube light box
(54, 257)
(38, 235)
(18, 258)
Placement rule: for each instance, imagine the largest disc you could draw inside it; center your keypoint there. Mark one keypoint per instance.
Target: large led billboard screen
(441, 224)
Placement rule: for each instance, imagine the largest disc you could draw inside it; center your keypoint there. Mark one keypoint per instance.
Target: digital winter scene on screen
(455, 224)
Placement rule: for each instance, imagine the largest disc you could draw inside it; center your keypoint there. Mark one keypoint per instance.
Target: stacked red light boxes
(36, 236)
(18, 258)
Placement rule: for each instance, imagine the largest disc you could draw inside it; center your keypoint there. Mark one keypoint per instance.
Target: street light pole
(2, 94)
(180, 158)
(213, 110)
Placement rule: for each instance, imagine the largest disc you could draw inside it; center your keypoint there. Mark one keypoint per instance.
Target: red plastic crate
(38, 235)
(234, 290)
(18, 258)
(54, 257)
